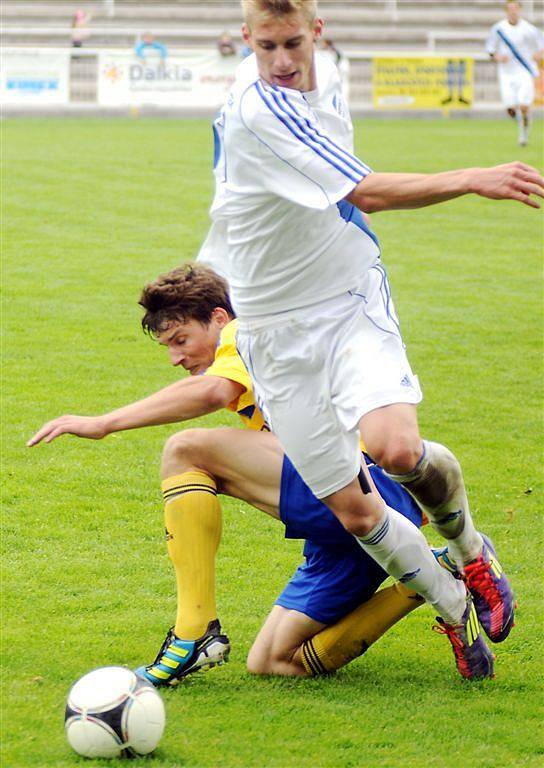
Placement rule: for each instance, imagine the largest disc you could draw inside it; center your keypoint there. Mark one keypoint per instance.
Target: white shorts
(517, 90)
(316, 371)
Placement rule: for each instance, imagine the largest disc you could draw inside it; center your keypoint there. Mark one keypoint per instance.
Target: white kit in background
(517, 75)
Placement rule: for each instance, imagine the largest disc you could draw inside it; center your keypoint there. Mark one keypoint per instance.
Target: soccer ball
(111, 712)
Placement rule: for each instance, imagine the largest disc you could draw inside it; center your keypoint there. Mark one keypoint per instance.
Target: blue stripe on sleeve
(323, 139)
(293, 128)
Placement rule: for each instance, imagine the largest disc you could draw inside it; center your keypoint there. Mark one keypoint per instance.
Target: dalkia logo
(159, 72)
(113, 73)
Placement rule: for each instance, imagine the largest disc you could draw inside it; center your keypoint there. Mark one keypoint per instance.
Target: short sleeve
(299, 160)
(228, 363)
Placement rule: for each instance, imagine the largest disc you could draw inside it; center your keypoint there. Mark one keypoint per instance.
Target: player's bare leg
(245, 464)
(397, 545)
(428, 470)
(291, 643)
(277, 648)
(432, 474)
(248, 466)
(196, 463)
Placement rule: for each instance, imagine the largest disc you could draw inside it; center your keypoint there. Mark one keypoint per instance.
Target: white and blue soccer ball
(111, 712)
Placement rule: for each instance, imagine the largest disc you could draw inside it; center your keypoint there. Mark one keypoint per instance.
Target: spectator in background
(225, 45)
(328, 47)
(147, 44)
(80, 31)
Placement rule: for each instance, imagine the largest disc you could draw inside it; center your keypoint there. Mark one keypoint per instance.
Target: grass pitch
(92, 210)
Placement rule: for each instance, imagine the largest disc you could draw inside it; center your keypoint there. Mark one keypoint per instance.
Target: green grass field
(92, 210)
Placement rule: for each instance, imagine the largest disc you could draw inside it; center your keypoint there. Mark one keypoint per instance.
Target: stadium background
(93, 208)
(363, 31)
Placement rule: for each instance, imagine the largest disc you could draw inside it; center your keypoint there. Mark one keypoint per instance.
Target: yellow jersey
(228, 365)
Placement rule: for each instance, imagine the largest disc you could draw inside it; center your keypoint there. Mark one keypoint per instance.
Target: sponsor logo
(32, 84)
(409, 576)
(159, 73)
(113, 73)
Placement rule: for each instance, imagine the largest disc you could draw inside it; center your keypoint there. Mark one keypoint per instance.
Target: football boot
(177, 658)
(473, 658)
(491, 591)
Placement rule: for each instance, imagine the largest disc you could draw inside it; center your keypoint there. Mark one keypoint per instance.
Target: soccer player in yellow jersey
(327, 614)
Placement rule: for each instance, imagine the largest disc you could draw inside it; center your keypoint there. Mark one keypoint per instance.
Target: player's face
(192, 344)
(284, 48)
(513, 13)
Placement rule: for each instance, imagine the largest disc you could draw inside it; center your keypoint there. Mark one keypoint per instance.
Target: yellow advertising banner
(430, 82)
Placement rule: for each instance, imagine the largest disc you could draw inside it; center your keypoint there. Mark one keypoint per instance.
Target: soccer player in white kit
(318, 329)
(516, 46)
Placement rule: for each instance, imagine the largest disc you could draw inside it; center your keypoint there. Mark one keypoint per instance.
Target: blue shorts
(337, 574)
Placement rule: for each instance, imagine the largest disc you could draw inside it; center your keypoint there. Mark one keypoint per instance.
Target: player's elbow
(365, 202)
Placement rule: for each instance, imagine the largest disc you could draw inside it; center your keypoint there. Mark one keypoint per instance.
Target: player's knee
(258, 662)
(274, 662)
(360, 520)
(184, 450)
(399, 455)
(359, 513)
(361, 525)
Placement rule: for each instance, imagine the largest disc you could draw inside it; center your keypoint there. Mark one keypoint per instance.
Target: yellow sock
(192, 517)
(350, 637)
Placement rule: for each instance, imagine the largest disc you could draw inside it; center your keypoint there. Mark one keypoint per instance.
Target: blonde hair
(276, 8)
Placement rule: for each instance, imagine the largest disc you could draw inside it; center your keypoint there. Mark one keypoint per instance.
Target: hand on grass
(512, 181)
(91, 427)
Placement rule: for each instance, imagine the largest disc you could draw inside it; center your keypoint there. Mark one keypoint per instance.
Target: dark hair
(190, 292)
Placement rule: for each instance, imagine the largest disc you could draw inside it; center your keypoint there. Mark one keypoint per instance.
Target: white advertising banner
(200, 79)
(34, 78)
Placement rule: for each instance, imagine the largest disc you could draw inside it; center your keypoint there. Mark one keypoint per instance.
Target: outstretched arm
(388, 191)
(185, 399)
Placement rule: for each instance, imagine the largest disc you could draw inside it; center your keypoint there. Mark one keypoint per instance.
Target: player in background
(517, 47)
(328, 614)
(317, 327)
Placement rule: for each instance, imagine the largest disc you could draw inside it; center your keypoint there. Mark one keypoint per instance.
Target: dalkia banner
(432, 82)
(34, 78)
(191, 80)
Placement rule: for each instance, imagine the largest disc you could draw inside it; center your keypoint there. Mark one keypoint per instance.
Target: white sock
(523, 128)
(401, 549)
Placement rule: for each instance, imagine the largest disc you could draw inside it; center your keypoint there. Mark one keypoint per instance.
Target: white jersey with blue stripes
(283, 166)
(329, 105)
(519, 42)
